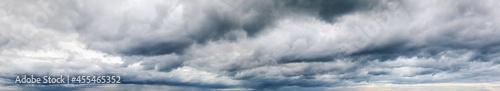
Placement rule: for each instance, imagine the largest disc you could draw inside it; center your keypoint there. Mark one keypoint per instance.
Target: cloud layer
(258, 44)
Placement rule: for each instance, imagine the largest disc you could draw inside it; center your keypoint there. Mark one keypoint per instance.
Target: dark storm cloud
(328, 10)
(258, 44)
(211, 23)
(215, 22)
(153, 48)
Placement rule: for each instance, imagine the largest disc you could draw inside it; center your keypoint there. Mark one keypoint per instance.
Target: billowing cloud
(258, 44)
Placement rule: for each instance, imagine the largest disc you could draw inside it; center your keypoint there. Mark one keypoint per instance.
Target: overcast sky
(254, 44)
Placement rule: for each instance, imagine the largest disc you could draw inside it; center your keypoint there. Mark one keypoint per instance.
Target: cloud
(261, 44)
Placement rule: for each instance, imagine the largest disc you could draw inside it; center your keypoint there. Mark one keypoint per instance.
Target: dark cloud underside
(257, 44)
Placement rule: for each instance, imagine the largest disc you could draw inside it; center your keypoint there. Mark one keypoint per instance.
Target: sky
(348, 45)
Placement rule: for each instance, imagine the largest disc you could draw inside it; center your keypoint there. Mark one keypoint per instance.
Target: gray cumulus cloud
(255, 44)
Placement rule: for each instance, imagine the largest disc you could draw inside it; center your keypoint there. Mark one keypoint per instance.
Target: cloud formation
(258, 44)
